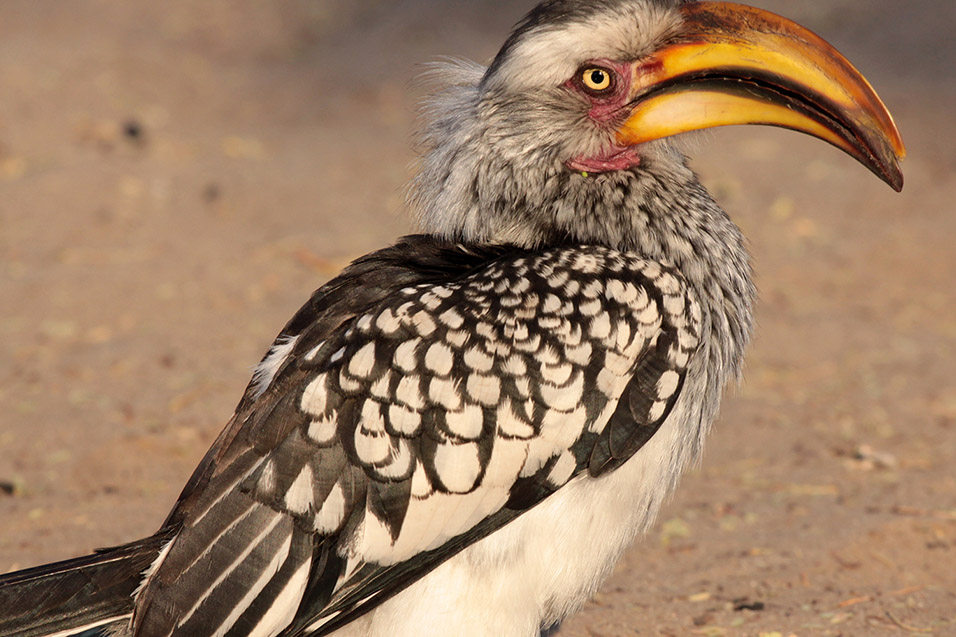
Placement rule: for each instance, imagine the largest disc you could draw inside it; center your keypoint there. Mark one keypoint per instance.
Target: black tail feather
(75, 594)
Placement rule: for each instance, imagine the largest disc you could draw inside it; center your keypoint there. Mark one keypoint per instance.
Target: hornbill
(461, 433)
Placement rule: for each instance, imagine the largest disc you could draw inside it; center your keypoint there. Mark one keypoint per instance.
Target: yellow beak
(736, 64)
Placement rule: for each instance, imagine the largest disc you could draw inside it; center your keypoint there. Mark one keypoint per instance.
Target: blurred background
(175, 180)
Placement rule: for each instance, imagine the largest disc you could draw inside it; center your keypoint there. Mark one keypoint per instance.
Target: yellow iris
(596, 79)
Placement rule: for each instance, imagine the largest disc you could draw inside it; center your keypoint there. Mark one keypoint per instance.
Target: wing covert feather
(402, 432)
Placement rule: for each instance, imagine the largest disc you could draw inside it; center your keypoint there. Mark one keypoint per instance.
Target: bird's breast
(544, 565)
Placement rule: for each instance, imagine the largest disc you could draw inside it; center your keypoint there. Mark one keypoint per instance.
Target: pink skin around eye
(608, 112)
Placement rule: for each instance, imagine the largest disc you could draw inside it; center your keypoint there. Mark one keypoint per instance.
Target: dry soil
(176, 178)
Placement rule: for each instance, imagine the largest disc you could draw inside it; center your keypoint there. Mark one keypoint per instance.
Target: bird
(461, 433)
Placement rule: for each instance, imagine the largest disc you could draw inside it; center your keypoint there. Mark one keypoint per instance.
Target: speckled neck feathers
(478, 185)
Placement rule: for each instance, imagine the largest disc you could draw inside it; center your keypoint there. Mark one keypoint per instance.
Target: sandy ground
(174, 182)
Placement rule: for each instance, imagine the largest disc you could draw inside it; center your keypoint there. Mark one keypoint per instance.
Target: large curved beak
(735, 64)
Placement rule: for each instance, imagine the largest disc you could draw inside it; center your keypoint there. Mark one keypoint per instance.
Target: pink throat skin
(606, 111)
(615, 158)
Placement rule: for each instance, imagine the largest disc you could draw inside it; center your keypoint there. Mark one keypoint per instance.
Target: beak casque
(736, 64)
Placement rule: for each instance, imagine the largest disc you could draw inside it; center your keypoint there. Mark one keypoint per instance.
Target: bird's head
(582, 102)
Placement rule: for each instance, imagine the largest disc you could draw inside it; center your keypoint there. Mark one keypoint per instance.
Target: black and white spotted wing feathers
(441, 404)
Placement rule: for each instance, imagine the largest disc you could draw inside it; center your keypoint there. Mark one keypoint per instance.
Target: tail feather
(65, 598)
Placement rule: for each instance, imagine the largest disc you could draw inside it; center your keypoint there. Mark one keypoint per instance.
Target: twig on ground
(939, 514)
(909, 629)
(854, 600)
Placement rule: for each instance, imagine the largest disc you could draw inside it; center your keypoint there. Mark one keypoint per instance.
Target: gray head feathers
(495, 144)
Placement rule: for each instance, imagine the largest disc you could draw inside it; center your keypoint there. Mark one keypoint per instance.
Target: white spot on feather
(467, 423)
(686, 339)
(563, 428)
(387, 321)
(298, 499)
(452, 319)
(371, 441)
(580, 355)
(609, 383)
(511, 424)
(562, 469)
(623, 293)
(623, 335)
(523, 385)
(267, 479)
(593, 289)
(458, 466)
(600, 327)
(558, 279)
(364, 322)
(551, 304)
(322, 430)
(439, 358)
(405, 358)
(330, 516)
(564, 398)
(444, 392)
(266, 371)
(458, 338)
(556, 374)
(347, 383)
(486, 330)
(590, 308)
(312, 353)
(404, 421)
(530, 344)
(380, 388)
(363, 361)
(668, 283)
(515, 366)
(374, 539)
(549, 356)
(657, 410)
(674, 304)
(399, 462)
(667, 384)
(475, 358)
(616, 364)
(408, 393)
(431, 301)
(424, 323)
(314, 397)
(649, 315)
(421, 486)
(484, 390)
(587, 263)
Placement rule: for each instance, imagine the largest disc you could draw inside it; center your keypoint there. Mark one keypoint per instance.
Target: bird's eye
(597, 80)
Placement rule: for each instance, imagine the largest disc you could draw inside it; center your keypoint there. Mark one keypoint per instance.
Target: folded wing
(384, 439)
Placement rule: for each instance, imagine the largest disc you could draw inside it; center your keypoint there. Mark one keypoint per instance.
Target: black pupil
(598, 78)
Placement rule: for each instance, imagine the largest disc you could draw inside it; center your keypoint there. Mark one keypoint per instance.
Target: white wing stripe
(224, 492)
(218, 537)
(283, 609)
(79, 629)
(225, 573)
(267, 574)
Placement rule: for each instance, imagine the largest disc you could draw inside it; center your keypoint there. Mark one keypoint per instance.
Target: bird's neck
(662, 214)
(659, 210)
(478, 184)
